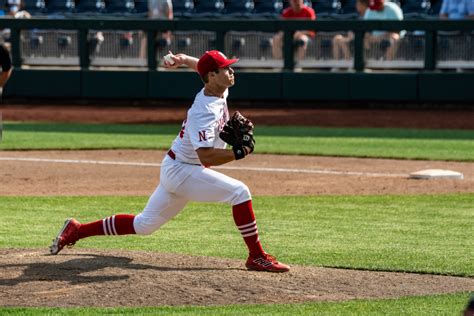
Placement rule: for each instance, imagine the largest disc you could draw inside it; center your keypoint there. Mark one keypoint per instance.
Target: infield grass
(451, 304)
(356, 142)
(426, 234)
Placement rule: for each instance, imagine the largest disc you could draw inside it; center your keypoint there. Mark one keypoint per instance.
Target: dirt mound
(87, 277)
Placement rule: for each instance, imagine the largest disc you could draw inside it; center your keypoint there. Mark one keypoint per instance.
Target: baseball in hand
(168, 59)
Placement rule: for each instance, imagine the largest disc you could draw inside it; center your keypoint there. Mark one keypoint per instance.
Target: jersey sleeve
(200, 128)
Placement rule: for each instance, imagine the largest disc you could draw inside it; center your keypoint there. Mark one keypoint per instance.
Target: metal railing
(428, 32)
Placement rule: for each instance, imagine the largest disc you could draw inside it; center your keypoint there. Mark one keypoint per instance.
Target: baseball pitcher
(186, 173)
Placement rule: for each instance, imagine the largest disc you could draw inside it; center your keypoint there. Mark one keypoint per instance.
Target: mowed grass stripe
(426, 234)
(358, 142)
(451, 304)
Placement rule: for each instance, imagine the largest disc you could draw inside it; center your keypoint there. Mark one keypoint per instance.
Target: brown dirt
(375, 176)
(451, 119)
(118, 278)
(85, 277)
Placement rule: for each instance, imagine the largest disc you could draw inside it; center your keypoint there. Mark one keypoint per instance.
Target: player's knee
(147, 226)
(242, 194)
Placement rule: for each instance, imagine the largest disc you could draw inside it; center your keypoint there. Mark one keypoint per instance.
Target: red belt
(172, 154)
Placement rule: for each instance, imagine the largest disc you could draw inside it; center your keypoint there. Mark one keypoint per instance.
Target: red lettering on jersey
(181, 133)
(202, 136)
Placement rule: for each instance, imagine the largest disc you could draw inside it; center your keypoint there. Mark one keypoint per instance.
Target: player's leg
(207, 185)
(161, 207)
(72, 230)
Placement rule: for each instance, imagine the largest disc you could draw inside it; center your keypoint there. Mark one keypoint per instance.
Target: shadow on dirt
(75, 271)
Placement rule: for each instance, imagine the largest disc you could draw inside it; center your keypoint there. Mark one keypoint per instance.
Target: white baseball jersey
(183, 178)
(206, 118)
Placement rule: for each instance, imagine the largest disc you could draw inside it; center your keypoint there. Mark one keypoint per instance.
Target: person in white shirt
(185, 171)
(372, 10)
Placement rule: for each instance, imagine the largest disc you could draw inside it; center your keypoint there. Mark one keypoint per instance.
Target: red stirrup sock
(113, 225)
(244, 218)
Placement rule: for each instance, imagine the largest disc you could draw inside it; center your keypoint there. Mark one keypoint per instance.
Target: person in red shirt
(296, 10)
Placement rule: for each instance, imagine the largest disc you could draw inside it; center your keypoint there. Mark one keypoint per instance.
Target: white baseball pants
(180, 183)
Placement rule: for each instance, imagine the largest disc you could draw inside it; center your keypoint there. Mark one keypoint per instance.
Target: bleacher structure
(455, 50)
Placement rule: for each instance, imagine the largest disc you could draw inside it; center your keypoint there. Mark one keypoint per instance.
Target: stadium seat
(237, 44)
(35, 6)
(209, 8)
(415, 8)
(268, 8)
(60, 6)
(36, 40)
(326, 8)
(126, 40)
(162, 44)
(64, 41)
(95, 41)
(348, 10)
(239, 8)
(90, 6)
(141, 7)
(120, 6)
(183, 8)
(435, 7)
(265, 44)
(184, 43)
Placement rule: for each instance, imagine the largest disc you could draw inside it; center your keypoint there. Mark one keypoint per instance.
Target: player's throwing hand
(171, 60)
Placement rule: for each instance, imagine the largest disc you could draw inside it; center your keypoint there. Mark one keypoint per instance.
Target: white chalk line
(259, 169)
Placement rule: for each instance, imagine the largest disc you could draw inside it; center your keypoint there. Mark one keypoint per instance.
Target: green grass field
(434, 305)
(393, 233)
(425, 233)
(455, 145)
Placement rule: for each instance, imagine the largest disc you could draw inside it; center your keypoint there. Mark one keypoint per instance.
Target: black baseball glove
(238, 132)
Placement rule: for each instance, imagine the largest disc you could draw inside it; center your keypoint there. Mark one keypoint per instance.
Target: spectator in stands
(340, 43)
(6, 63)
(457, 9)
(372, 10)
(380, 10)
(162, 10)
(297, 10)
(15, 9)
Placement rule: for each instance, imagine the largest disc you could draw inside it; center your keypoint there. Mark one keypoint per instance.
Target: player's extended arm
(179, 60)
(210, 156)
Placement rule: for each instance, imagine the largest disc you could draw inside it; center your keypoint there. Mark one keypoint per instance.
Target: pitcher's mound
(86, 277)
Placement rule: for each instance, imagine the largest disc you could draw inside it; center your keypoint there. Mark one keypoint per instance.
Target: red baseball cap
(213, 59)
